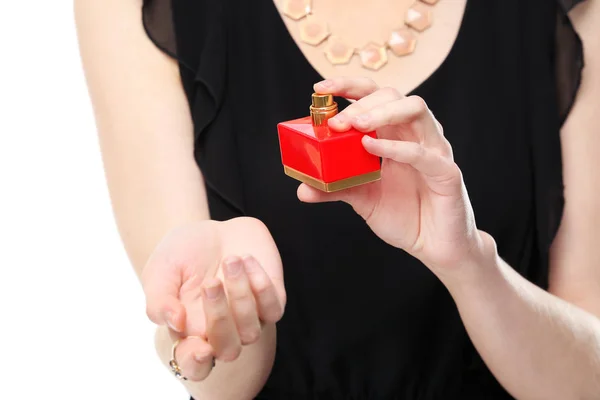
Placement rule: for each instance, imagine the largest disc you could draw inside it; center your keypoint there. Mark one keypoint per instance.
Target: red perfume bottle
(323, 158)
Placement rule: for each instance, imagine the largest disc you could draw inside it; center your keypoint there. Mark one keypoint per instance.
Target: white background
(72, 322)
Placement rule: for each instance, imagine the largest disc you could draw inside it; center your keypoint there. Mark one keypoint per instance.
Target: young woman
(469, 271)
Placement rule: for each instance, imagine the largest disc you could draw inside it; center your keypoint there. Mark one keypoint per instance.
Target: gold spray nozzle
(322, 108)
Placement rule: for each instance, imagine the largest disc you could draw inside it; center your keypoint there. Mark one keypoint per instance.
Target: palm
(425, 215)
(196, 252)
(420, 204)
(392, 210)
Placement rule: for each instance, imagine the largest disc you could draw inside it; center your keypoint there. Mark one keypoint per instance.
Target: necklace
(401, 42)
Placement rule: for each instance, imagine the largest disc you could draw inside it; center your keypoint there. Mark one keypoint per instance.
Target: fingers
(441, 173)
(349, 87)
(162, 302)
(407, 153)
(191, 297)
(399, 111)
(195, 358)
(234, 313)
(345, 119)
(221, 330)
(268, 304)
(241, 301)
(377, 108)
(410, 111)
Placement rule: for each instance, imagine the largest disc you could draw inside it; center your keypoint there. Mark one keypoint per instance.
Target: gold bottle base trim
(336, 185)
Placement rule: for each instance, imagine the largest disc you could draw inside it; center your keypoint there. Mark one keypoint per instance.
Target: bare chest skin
(360, 22)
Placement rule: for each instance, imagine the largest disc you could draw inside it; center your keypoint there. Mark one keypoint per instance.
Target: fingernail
(249, 263)
(233, 267)
(340, 118)
(169, 318)
(212, 292)
(325, 83)
(368, 139)
(362, 119)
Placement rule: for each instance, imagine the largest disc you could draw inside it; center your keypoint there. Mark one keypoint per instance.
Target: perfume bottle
(322, 158)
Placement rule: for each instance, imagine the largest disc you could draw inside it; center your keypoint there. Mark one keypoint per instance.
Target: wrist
(479, 268)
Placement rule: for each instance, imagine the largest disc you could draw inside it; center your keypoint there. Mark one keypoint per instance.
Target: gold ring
(175, 368)
(174, 365)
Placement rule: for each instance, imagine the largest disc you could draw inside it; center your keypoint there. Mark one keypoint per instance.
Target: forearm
(143, 123)
(537, 345)
(146, 139)
(150, 198)
(238, 380)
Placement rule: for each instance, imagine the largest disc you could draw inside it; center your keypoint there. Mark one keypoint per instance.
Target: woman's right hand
(214, 284)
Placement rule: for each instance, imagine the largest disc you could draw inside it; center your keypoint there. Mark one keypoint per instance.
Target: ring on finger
(174, 364)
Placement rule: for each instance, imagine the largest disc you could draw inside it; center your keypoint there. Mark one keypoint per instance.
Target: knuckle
(418, 152)
(414, 154)
(453, 176)
(240, 296)
(250, 336)
(419, 104)
(338, 80)
(456, 172)
(440, 127)
(391, 92)
(385, 114)
(370, 82)
(256, 223)
(447, 150)
(152, 313)
(230, 353)
(353, 109)
(393, 145)
(390, 148)
(218, 315)
(451, 180)
(262, 287)
(244, 309)
(248, 223)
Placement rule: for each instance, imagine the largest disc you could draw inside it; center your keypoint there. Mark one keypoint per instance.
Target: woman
(458, 275)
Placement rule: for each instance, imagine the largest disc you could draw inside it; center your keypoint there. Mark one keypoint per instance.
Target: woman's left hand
(420, 204)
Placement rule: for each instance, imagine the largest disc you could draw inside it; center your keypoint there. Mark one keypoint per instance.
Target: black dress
(365, 320)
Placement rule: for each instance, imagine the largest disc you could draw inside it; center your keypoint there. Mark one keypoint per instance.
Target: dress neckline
(451, 54)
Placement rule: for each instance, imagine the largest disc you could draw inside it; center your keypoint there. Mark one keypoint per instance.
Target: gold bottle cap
(322, 108)
(322, 100)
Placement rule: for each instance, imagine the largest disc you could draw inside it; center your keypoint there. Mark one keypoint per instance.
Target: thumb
(354, 196)
(161, 286)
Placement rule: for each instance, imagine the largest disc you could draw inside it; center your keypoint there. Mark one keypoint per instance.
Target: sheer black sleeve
(180, 29)
(569, 58)
(195, 34)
